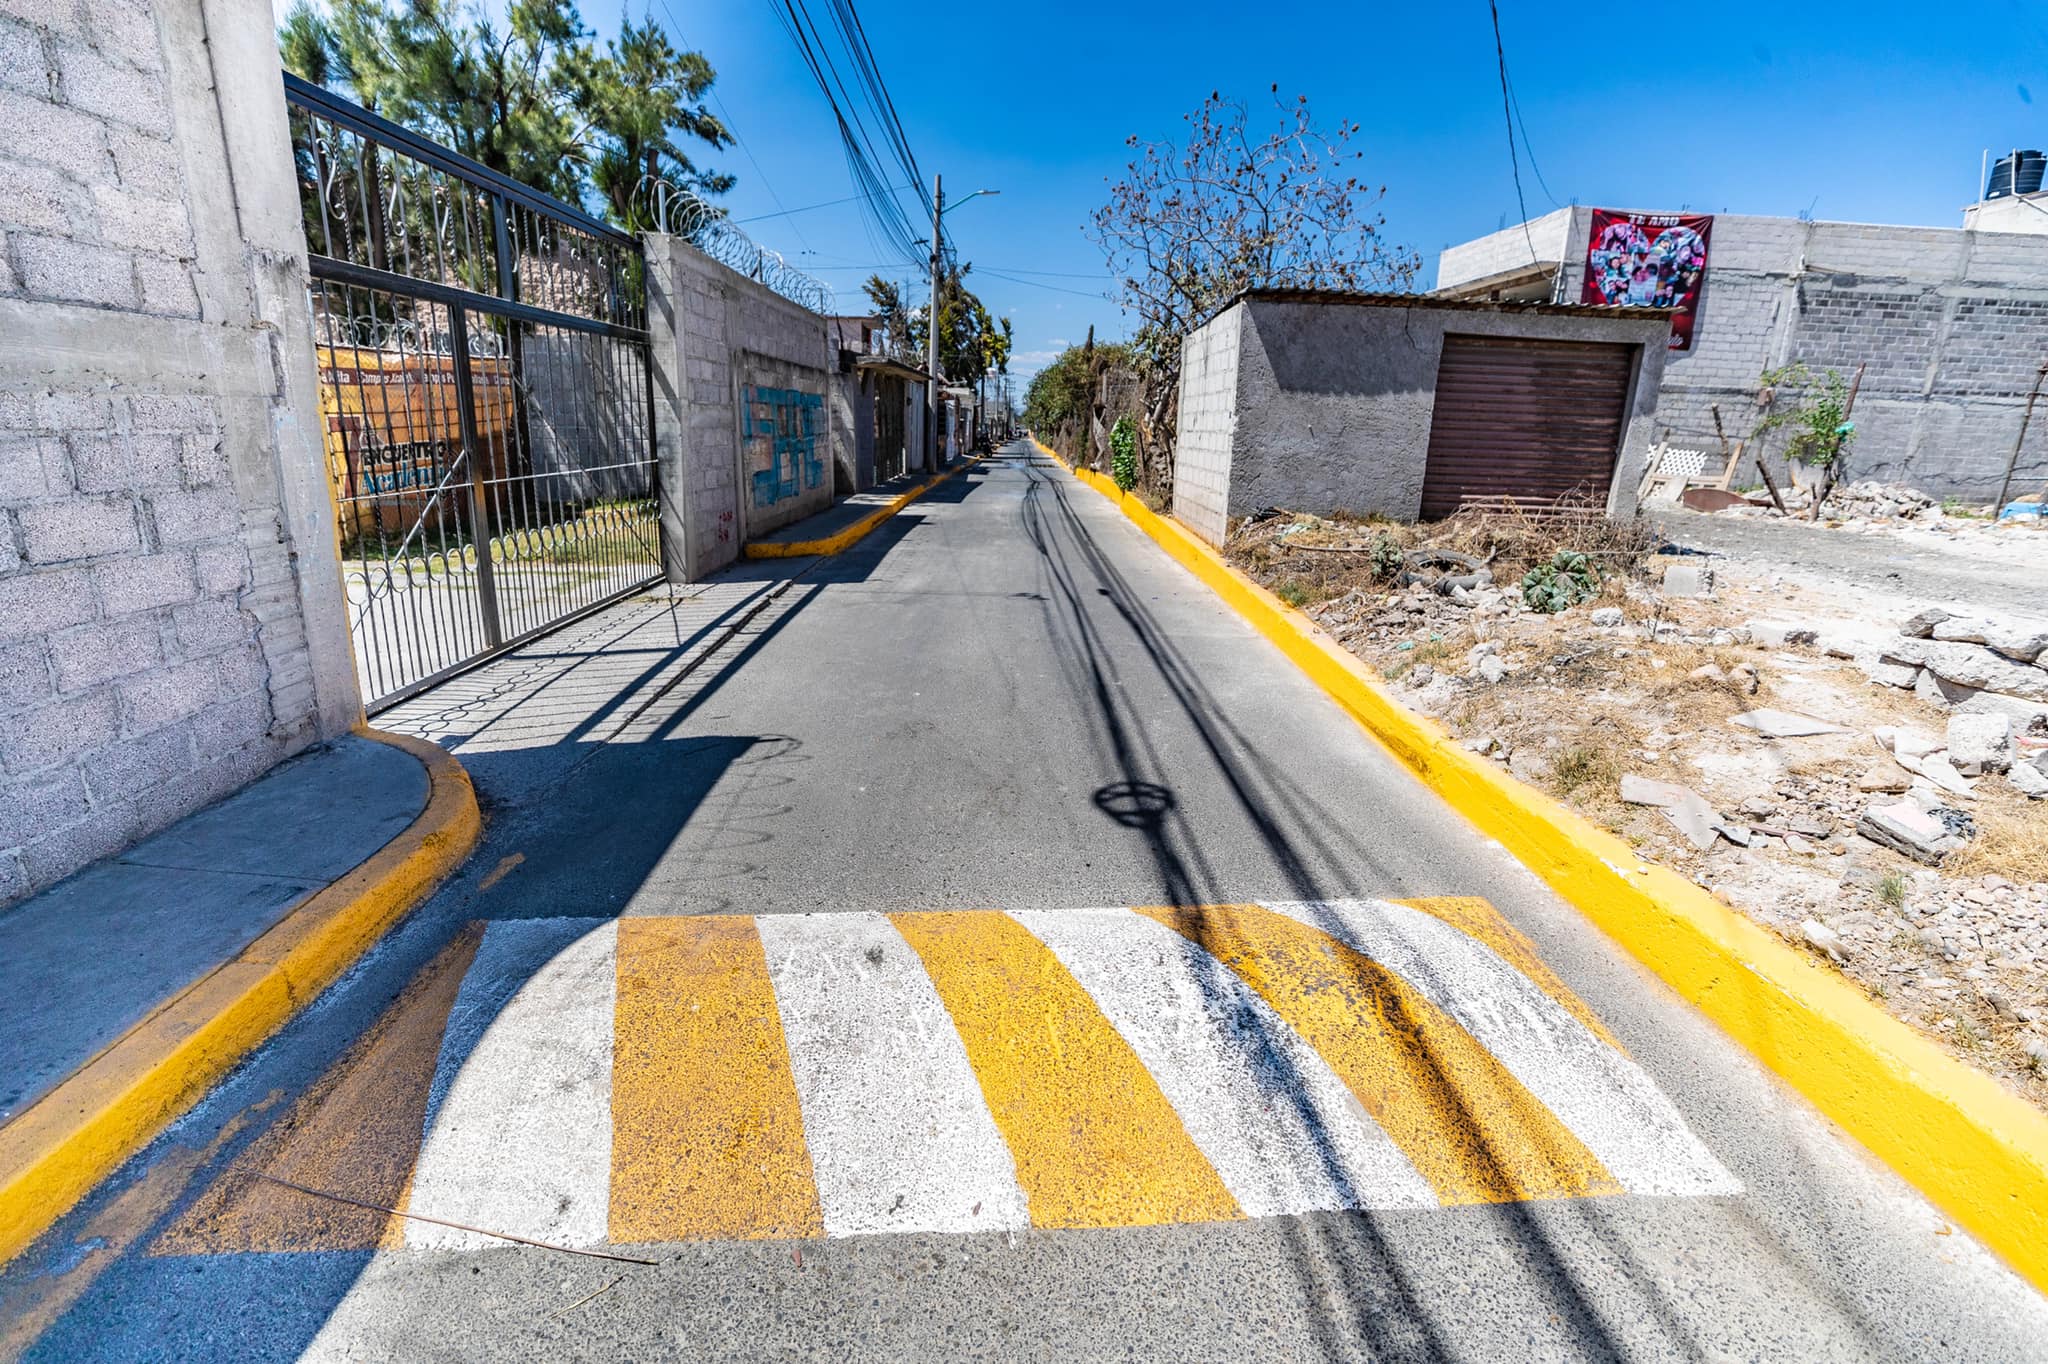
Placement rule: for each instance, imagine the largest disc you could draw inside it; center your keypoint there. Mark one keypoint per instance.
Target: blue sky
(1872, 112)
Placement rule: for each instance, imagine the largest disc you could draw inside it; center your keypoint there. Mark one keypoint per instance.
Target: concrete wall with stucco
(171, 613)
(1333, 400)
(1949, 325)
(1207, 425)
(715, 336)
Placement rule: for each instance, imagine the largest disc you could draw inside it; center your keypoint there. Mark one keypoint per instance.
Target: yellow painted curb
(1977, 1151)
(849, 536)
(78, 1133)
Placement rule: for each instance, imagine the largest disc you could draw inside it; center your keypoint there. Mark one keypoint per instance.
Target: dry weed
(2011, 841)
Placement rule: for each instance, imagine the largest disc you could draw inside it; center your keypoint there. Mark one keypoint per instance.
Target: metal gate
(485, 392)
(1530, 421)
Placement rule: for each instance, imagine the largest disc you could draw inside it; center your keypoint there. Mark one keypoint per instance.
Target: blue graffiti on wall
(785, 421)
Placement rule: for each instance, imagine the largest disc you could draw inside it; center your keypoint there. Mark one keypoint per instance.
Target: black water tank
(2017, 173)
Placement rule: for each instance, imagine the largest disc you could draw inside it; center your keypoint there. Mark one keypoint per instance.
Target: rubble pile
(1893, 830)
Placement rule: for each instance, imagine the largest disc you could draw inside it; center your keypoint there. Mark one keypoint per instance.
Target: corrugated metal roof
(1362, 298)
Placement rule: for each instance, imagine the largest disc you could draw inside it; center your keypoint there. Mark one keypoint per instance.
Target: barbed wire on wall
(680, 213)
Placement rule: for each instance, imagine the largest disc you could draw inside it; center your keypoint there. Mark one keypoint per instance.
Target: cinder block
(23, 63)
(65, 410)
(117, 92)
(116, 772)
(58, 850)
(126, 32)
(102, 650)
(40, 803)
(30, 468)
(127, 219)
(146, 165)
(42, 198)
(167, 287)
(57, 731)
(34, 129)
(108, 461)
(60, 532)
(191, 518)
(33, 604)
(75, 272)
(138, 584)
(167, 695)
(24, 676)
(207, 627)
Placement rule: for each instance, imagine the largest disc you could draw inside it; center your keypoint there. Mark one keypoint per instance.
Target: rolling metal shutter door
(1533, 420)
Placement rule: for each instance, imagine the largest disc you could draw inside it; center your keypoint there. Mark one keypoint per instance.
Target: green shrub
(1387, 559)
(1568, 579)
(1123, 453)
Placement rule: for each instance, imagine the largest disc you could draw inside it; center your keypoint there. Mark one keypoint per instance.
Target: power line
(1530, 147)
(856, 103)
(1078, 293)
(807, 208)
(730, 126)
(1507, 114)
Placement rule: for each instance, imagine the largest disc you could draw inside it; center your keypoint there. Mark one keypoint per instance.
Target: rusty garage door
(1532, 420)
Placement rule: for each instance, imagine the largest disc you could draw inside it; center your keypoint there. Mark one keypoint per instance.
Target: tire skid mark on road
(1536, 1027)
(1272, 1118)
(727, 1077)
(1096, 1142)
(1465, 1122)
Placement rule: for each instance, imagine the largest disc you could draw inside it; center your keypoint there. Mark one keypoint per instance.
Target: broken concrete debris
(1784, 724)
(1687, 810)
(1822, 938)
(1980, 743)
(1971, 665)
(1777, 634)
(1906, 828)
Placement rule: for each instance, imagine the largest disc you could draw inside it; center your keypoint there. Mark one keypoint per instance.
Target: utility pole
(931, 331)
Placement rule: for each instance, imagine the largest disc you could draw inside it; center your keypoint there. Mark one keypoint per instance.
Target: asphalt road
(1336, 1128)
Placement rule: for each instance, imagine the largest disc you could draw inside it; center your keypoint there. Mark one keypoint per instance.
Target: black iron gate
(485, 393)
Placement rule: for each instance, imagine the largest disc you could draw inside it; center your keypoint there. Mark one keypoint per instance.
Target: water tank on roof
(2016, 173)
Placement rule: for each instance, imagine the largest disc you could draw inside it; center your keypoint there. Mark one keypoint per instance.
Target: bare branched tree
(1189, 227)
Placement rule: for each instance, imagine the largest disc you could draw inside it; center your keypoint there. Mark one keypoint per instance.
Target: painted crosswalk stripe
(1277, 1124)
(899, 1137)
(1096, 1144)
(1468, 1125)
(708, 1133)
(519, 1121)
(1593, 1088)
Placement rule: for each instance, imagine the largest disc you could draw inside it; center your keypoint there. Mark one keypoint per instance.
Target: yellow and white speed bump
(588, 1082)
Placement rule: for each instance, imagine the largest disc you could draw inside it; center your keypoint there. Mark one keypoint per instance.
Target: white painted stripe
(900, 1137)
(519, 1121)
(1602, 1096)
(1284, 1133)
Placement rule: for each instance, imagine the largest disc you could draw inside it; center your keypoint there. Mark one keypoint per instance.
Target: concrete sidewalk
(842, 524)
(130, 987)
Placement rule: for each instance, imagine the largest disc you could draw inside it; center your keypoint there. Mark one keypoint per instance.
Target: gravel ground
(1980, 565)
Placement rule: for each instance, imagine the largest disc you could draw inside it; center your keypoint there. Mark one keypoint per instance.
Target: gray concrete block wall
(1950, 324)
(1499, 252)
(171, 615)
(1333, 403)
(705, 321)
(1208, 420)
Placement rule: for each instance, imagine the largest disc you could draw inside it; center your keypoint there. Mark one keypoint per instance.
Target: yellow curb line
(1977, 1151)
(847, 537)
(81, 1131)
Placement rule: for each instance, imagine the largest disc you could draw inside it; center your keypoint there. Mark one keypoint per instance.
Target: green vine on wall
(1123, 453)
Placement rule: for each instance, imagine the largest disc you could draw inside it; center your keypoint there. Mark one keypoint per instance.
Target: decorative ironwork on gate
(485, 391)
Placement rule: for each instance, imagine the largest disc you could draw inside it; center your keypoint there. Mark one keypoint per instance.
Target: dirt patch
(1635, 681)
